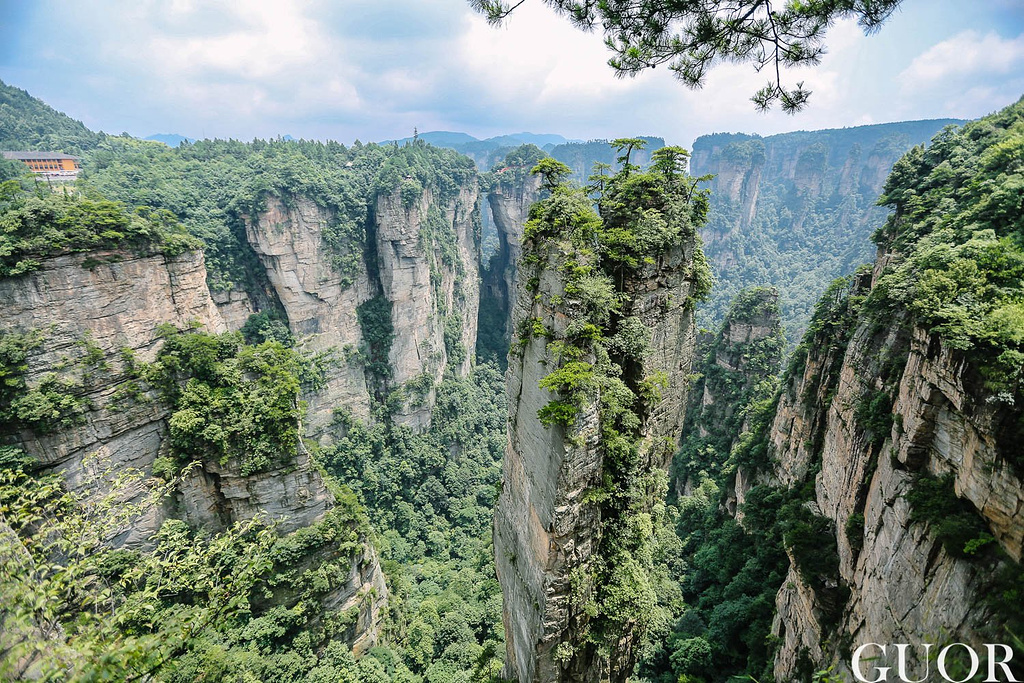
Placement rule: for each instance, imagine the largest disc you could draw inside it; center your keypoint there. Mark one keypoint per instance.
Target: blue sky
(375, 69)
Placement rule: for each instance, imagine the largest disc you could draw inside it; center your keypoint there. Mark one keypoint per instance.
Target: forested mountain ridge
(886, 466)
(338, 310)
(795, 210)
(27, 123)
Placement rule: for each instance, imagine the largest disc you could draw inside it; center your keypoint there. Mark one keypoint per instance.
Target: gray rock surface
(428, 280)
(546, 528)
(904, 586)
(321, 313)
(88, 319)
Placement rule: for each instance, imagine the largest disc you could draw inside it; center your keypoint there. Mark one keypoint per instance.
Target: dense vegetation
(957, 237)
(598, 363)
(27, 123)
(35, 225)
(814, 211)
(429, 498)
(231, 401)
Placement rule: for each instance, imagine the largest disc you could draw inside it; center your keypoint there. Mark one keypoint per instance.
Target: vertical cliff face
(904, 584)
(288, 239)
(738, 368)
(795, 210)
(597, 384)
(428, 253)
(510, 204)
(423, 263)
(94, 320)
(85, 319)
(903, 411)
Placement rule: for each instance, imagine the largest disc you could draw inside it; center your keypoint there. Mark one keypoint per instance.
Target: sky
(378, 69)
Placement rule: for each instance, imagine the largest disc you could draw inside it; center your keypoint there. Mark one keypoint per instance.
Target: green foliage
(54, 399)
(28, 124)
(552, 172)
(855, 531)
(874, 415)
(230, 401)
(34, 227)
(266, 326)
(430, 498)
(957, 244)
(378, 334)
(957, 526)
(693, 37)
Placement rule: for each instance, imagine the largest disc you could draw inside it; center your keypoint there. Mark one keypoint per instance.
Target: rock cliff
(904, 584)
(288, 239)
(423, 262)
(901, 417)
(795, 210)
(428, 253)
(597, 384)
(93, 320)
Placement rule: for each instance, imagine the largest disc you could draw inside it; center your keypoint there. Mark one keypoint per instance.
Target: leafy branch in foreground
(78, 608)
(692, 36)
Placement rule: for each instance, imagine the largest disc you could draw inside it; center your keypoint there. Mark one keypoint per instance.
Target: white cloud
(374, 69)
(966, 54)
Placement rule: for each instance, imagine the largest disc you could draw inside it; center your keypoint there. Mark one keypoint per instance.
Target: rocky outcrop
(96, 318)
(321, 312)
(551, 520)
(89, 315)
(428, 253)
(425, 266)
(510, 203)
(904, 586)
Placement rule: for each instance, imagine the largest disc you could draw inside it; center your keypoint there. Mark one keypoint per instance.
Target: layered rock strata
(549, 520)
(96, 317)
(428, 253)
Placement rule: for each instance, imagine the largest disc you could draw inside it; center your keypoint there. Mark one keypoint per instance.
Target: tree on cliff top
(692, 36)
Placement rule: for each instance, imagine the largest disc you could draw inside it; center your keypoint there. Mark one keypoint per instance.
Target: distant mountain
(484, 152)
(539, 139)
(27, 123)
(169, 139)
(795, 210)
(581, 156)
